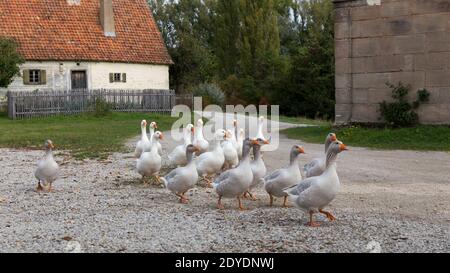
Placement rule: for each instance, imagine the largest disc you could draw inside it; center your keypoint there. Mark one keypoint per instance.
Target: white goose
(211, 162)
(182, 179)
(258, 168)
(153, 126)
(314, 193)
(235, 182)
(229, 151)
(199, 140)
(47, 170)
(178, 155)
(317, 166)
(144, 143)
(280, 179)
(149, 164)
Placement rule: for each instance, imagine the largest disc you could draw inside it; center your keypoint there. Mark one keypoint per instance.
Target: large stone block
(438, 78)
(432, 113)
(365, 13)
(437, 41)
(368, 28)
(395, 9)
(431, 22)
(409, 44)
(342, 15)
(341, 30)
(432, 61)
(360, 95)
(430, 6)
(444, 95)
(343, 66)
(342, 49)
(343, 95)
(365, 47)
(378, 95)
(398, 26)
(363, 112)
(371, 80)
(343, 80)
(342, 113)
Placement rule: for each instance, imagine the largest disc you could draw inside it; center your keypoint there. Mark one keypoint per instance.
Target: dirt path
(399, 200)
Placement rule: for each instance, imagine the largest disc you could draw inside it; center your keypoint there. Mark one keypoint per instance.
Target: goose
(199, 141)
(182, 179)
(144, 143)
(280, 179)
(211, 162)
(317, 166)
(149, 163)
(47, 170)
(153, 126)
(314, 193)
(178, 155)
(229, 151)
(258, 169)
(235, 182)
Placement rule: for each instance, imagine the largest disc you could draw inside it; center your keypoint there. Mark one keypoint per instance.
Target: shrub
(10, 60)
(401, 113)
(211, 94)
(101, 108)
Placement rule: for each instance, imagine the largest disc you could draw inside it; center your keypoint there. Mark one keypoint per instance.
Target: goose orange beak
(301, 150)
(196, 149)
(342, 147)
(156, 126)
(161, 136)
(333, 137)
(193, 130)
(52, 146)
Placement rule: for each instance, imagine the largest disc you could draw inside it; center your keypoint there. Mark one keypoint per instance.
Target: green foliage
(268, 51)
(211, 94)
(400, 113)
(85, 136)
(101, 108)
(10, 60)
(422, 137)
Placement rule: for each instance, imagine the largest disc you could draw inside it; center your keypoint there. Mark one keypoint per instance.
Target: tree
(10, 60)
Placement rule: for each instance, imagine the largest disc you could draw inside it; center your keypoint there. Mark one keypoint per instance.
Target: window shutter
(111, 77)
(124, 77)
(26, 76)
(43, 79)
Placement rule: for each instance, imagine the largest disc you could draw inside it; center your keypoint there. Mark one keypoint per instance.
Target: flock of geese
(228, 158)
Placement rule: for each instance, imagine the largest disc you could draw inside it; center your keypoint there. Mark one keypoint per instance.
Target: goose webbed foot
(329, 216)
(250, 196)
(285, 205)
(39, 187)
(311, 222)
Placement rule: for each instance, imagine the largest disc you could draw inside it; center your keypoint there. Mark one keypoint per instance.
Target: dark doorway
(79, 80)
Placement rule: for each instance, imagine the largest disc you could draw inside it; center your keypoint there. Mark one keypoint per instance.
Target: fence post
(11, 105)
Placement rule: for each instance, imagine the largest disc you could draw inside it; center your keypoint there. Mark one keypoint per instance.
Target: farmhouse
(79, 44)
(379, 41)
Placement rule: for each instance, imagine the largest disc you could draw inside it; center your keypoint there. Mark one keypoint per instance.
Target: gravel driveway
(390, 201)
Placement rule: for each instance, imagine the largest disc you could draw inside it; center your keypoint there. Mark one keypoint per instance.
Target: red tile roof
(52, 30)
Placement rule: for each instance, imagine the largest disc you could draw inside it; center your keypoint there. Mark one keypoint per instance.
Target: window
(117, 77)
(34, 77)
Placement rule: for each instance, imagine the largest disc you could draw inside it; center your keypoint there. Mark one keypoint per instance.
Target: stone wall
(391, 41)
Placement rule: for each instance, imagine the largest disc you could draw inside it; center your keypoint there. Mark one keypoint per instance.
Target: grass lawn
(425, 138)
(303, 120)
(85, 136)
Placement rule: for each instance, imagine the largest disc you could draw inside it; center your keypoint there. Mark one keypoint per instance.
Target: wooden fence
(23, 104)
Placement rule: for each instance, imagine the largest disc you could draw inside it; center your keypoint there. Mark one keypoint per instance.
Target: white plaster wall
(139, 76)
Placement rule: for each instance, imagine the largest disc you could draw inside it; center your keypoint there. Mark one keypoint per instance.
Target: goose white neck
(187, 137)
(144, 133)
(199, 132)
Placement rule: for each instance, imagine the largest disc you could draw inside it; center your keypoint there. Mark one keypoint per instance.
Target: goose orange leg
(285, 205)
(271, 200)
(311, 222)
(328, 215)
(219, 203)
(240, 203)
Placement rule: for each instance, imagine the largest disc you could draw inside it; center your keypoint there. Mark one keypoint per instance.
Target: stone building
(79, 44)
(380, 41)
